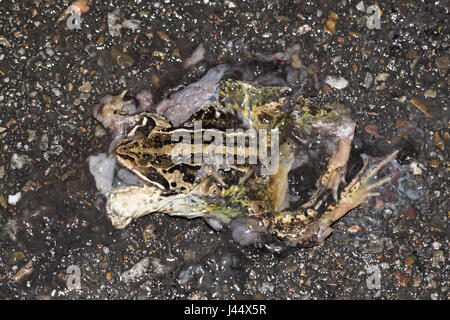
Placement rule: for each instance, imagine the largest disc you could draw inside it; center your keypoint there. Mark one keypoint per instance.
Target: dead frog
(225, 192)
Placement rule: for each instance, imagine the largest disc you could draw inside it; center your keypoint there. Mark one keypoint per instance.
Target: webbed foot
(334, 176)
(359, 190)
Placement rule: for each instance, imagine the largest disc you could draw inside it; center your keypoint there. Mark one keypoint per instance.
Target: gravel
(394, 79)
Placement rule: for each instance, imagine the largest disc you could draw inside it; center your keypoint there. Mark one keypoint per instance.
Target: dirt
(57, 235)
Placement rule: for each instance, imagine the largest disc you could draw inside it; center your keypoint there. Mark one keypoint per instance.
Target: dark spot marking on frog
(189, 171)
(214, 118)
(155, 140)
(265, 118)
(162, 162)
(153, 175)
(145, 130)
(131, 159)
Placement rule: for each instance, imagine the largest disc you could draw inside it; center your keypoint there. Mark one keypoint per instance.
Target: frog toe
(365, 176)
(359, 190)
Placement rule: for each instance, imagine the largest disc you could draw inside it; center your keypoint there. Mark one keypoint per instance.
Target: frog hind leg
(358, 191)
(334, 175)
(278, 183)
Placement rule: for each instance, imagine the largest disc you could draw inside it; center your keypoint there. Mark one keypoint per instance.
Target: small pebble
(429, 94)
(99, 131)
(443, 62)
(3, 202)
(354, 229)
(434, 163)
(23, 272)
(409, 261)
(196, 57)
(438, 142)
(436, 245)
(122, 59)
(230, 4)
(136, 271)
(360, 6)
(304, 29)
(86, 87)
(330, 25)
(14, 198)
(412, 54)
(421, 106)
(4, 41)
(49, 52)
(438, 259)
(384, 265)
(18, 161)
(336, 82)
(368, 80)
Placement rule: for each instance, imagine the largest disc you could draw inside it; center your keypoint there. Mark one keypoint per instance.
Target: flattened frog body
(225, 192)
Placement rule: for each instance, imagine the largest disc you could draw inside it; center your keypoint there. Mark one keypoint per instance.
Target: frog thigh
(278, 182)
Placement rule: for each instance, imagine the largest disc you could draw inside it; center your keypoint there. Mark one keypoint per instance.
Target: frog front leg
(123, 204)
